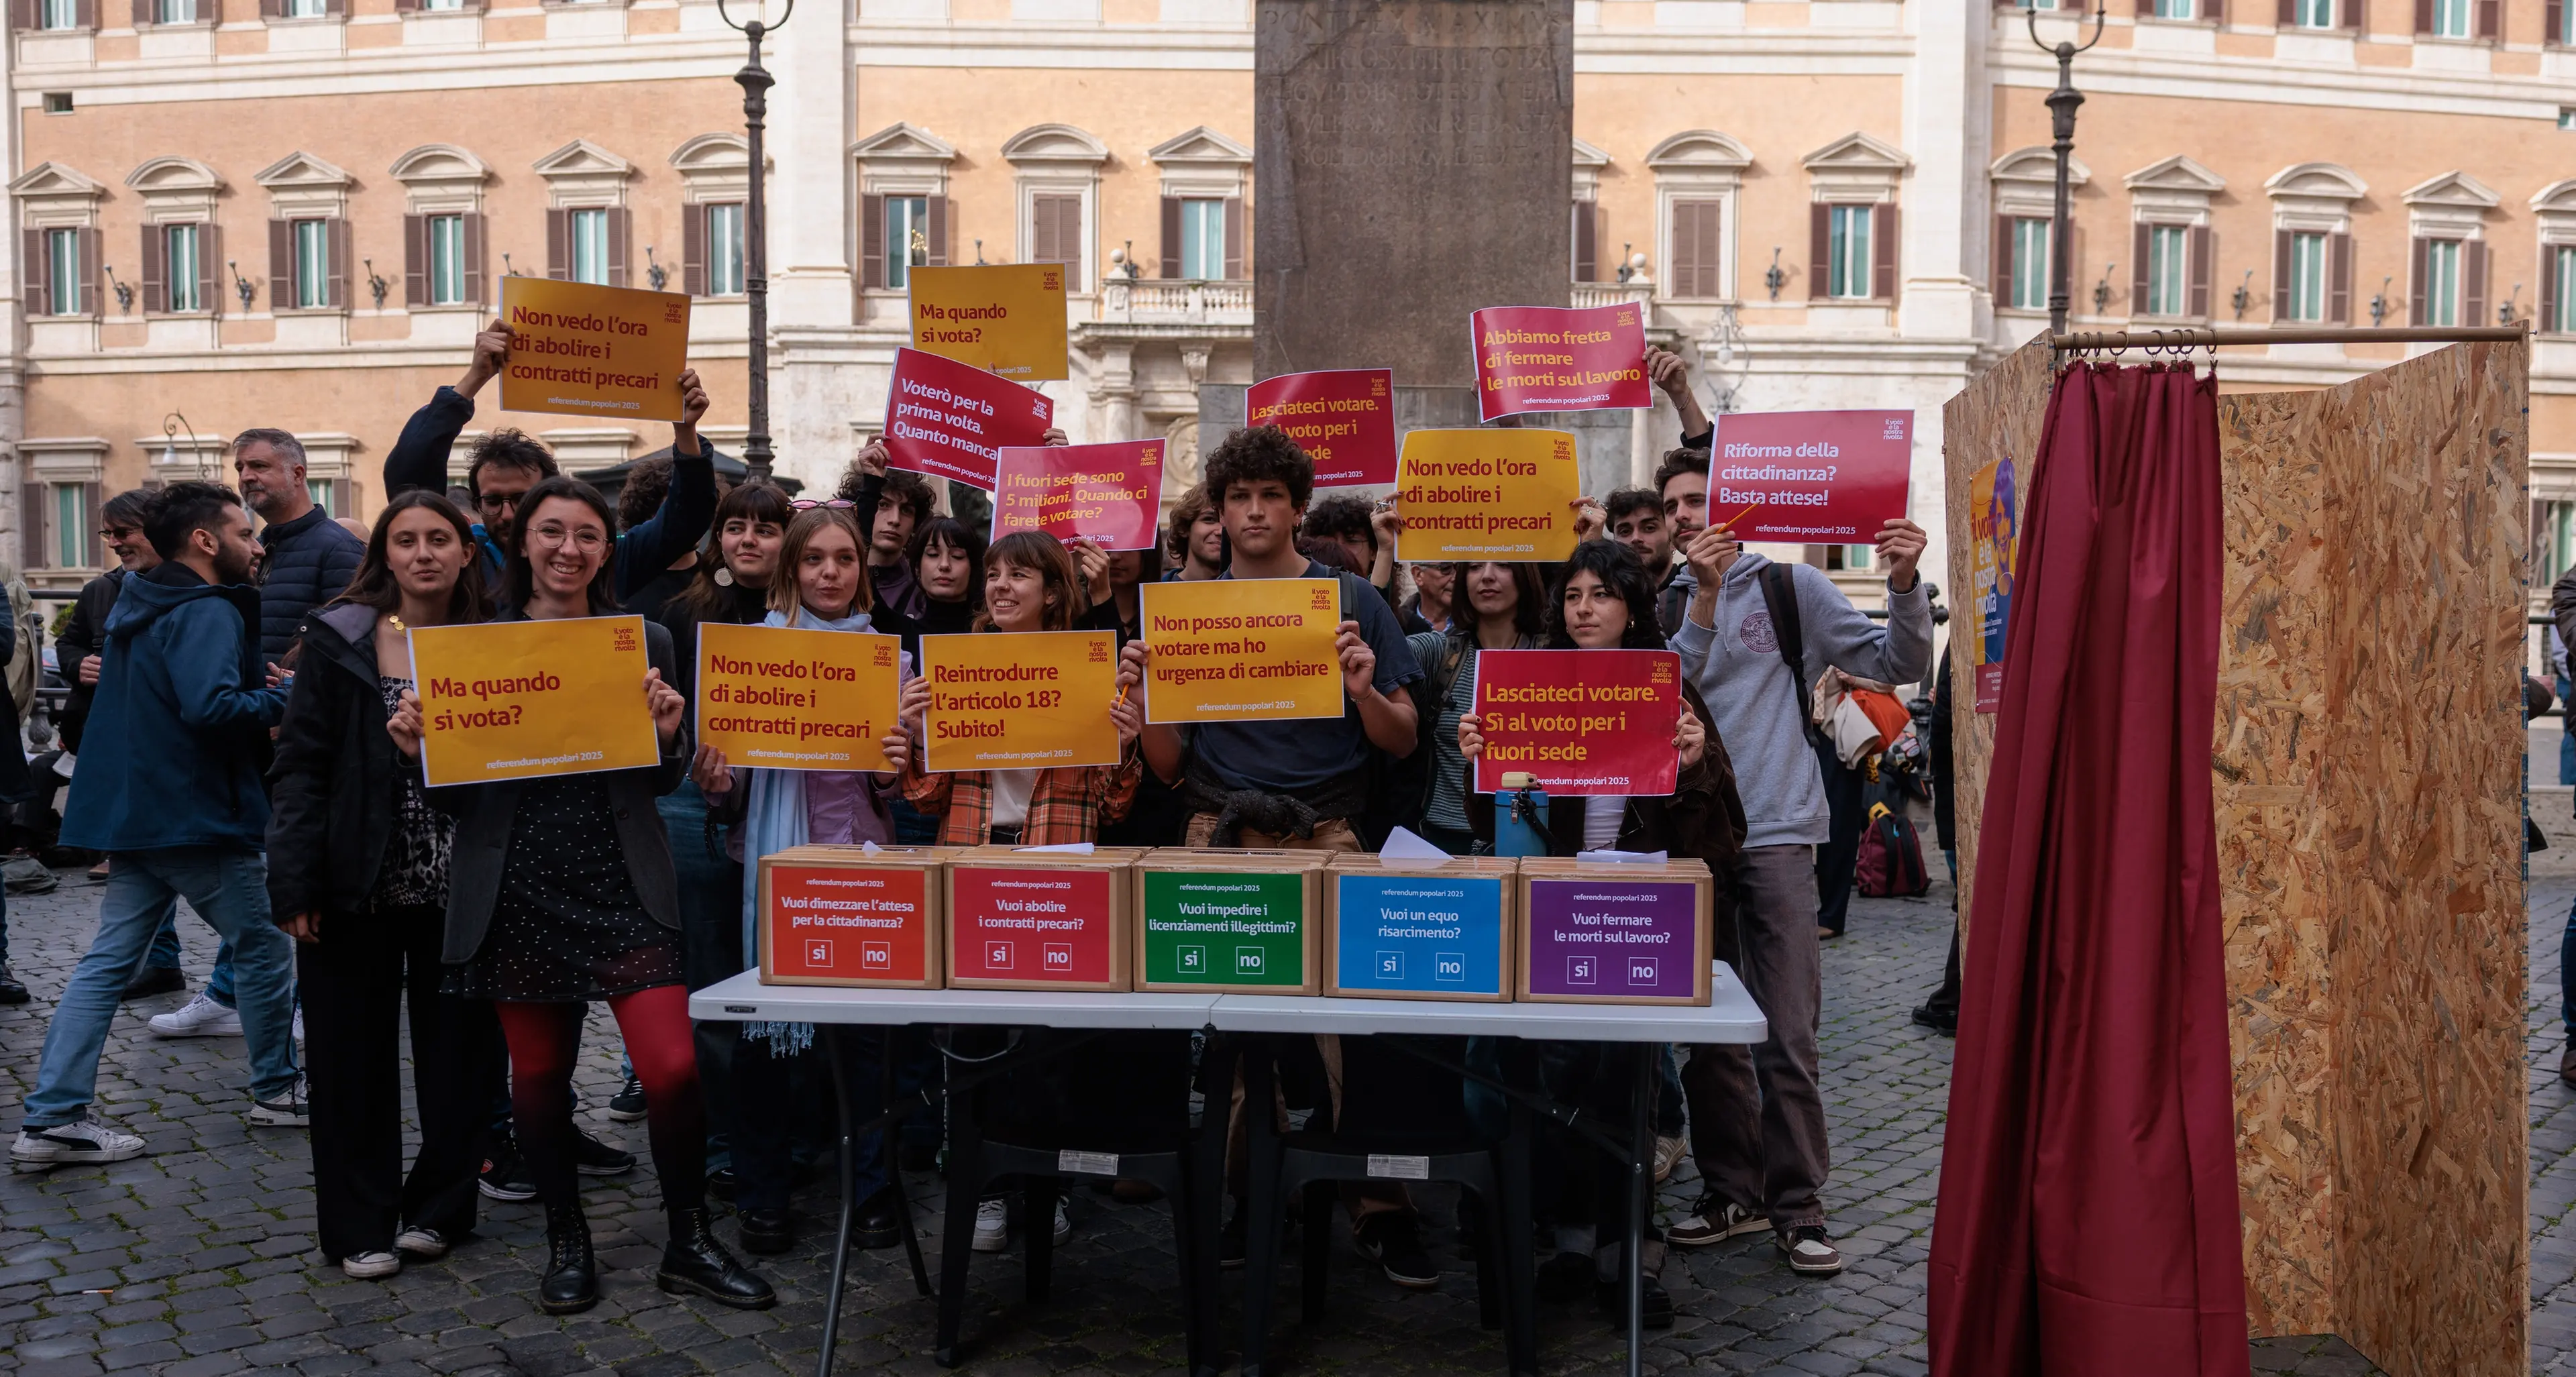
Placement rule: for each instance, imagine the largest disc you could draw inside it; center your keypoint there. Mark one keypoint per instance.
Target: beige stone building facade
(294, 212)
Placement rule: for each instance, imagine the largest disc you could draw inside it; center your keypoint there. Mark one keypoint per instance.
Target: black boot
(571, 1282)
(694, 1261)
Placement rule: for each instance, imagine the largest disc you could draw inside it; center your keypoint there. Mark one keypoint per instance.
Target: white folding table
(1730, 1017)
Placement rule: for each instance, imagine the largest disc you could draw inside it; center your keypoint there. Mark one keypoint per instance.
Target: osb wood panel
(2365, 756)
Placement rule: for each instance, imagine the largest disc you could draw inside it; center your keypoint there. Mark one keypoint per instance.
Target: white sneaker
(82, 1140)
(1668, 1156)
(285, 1110)
(421, 1242)
(201, 1017)
(992, 1225)
(1063, 1221)
(369, 1266)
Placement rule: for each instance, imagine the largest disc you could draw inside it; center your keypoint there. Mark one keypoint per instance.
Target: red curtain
(2087, 1224)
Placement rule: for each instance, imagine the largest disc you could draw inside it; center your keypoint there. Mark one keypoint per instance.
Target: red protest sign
(1344, 418)
(1110, 493)
(948, 420)
(1548, 358)
(1581, 721)
(1815, 477)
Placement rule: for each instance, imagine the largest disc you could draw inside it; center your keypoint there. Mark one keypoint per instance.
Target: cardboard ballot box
(1041, 920)
(1399, 931)
(842, 915)
(1246, 920)
(1600, 932)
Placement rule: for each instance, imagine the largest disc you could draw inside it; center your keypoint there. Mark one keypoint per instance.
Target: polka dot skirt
(568, 924)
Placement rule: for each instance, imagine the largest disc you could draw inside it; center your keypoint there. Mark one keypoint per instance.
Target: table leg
(832, 1034)
(1641, 1176)
(894, 1164)
(1260, 1204)
(1206, 1179)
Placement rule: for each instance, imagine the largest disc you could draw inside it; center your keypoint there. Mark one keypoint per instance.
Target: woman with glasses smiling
(561, 892)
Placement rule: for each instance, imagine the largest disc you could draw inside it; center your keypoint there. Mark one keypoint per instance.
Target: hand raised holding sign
(1900, 548)
(711, 772)
(1690, 738)
(404, 726)
(666, 705)
(1359, 662)
(491, 351)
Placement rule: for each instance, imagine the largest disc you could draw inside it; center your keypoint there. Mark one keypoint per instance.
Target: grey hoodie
(1738, 669)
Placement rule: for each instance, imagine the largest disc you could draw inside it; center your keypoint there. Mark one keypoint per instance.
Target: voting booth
(2365, 761)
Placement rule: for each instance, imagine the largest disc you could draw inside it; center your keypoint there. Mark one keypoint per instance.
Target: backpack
(1891, 857)
(1780, 599)
(29, 651)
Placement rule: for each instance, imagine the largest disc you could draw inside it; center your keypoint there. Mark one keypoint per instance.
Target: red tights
(544, 1040)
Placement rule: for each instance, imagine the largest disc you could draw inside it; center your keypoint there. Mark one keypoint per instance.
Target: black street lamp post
(2061, 122)
(755, 81)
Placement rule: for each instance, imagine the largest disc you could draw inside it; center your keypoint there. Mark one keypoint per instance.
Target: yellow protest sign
(789, 699)
(1241, 650)
(513, 700)
(1021, 700)
(593, 351)
(1003, 318)
(1487, 494)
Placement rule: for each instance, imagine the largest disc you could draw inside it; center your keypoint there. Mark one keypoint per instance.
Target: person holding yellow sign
(561, 891)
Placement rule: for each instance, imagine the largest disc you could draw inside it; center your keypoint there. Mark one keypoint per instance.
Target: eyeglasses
(807, 504)
(497, 501)
(586, 537)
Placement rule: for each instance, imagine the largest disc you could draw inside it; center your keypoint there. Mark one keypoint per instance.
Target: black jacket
(310, 561)
(486, 813)
(83, 636)
(331, 789)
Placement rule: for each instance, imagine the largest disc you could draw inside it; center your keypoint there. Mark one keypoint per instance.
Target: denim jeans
(230, 889)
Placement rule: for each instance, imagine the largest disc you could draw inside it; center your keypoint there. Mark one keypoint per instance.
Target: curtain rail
(2205, 337)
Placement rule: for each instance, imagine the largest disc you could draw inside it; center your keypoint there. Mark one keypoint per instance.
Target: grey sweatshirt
(1738, 669)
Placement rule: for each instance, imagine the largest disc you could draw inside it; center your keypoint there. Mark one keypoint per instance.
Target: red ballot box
(1580, 721)
(947, 420)
(1813, 477)
(1549, 358)
(1111, 493)
(1344, 418)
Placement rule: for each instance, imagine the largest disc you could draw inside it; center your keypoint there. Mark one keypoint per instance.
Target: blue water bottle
(1520, 817)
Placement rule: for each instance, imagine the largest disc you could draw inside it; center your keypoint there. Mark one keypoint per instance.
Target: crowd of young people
(496, 913)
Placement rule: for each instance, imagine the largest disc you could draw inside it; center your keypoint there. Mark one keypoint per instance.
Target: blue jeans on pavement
(230, 889)
(165, 956)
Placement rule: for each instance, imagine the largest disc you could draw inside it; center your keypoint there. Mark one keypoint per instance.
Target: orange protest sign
(1241, 650)
(1107, 492)
(792, 699)
(583, 350)
(1487, 494)
(1003, 318)
(513, 700)
(1021, 700)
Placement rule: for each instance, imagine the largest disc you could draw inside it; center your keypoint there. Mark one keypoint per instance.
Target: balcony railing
(1637, 290)
(1177, 301)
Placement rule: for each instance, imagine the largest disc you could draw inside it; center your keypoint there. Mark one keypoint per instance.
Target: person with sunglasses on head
(561, 892)
(507, 463)
(358, 877)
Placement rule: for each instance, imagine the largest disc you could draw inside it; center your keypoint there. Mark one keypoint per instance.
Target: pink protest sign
(1814, 477)
(1549, 358)
(949, 420)
(1344, 418)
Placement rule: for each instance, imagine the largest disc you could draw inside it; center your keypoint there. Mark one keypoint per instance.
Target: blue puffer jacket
(178, 734)
(310, 561)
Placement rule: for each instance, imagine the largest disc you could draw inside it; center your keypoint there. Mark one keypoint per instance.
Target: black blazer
(486, 814)
(331, 787)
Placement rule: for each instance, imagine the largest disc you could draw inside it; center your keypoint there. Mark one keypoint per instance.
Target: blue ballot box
(1442, 931)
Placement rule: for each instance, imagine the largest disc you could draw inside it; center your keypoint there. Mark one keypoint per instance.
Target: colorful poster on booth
(1344, 418)
(1487, 494)
(1111, 493)
(1811, 477)
(1551, 358)
(1580, 721)
(1003, 318)
(583, 350)
(1020, 700)
(1241, 650)
(946, 420)
(515, 700)
(785, 699)
(1993, 532)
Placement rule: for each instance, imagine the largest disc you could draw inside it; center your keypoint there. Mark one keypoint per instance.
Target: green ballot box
(1243, 920)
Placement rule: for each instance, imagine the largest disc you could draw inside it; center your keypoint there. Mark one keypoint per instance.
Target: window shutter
(23, 16)
(2339, 279)
(1234, 239)
(2553, 31)
(559, 244)
(2549, 304)
(406, 6)
(2282, 244)
(1172, 242)
(2423, 16)
(2490, 19)
(620, 229)
(474, 258)
(335, 248)
(2141, 244)
(93, 497)
(36, 272)
(1587, 242)
(1820, 253)
(2350, 13)
(85, 15)
(2000, 256)
(272, 9)
(156, 287)
(210, 253)
(337, 9)
(2415, 283)
(1071, 234)
(1042, 236)
(1882, 251)
(872, 245)
(2197, 249)
(693, 250)
(2288, 18)
(2473, 282)
(281, 264)
(2215, 11)
(93, 282)
(143, 14)
(416, 265)
(941, 212)
(1692, 267)
(31, 531)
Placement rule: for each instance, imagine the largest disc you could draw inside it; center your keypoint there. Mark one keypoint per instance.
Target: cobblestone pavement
(198, 1259)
